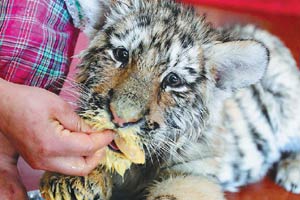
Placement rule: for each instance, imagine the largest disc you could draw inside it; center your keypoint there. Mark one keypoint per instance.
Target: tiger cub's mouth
(125, 149)
(114, 147)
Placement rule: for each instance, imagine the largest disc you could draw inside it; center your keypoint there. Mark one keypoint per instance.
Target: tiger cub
(214, 109)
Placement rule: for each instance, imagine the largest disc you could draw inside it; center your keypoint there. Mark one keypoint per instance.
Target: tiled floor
(288, 29)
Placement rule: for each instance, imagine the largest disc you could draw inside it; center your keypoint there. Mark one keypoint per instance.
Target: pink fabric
(37, 39)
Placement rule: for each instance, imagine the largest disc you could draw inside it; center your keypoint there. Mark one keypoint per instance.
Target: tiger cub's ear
(238, 64)
(127, 2)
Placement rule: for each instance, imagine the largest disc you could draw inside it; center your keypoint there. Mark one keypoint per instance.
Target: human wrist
(5, 88)
(10, 94)
(3, 84)
(8, 154)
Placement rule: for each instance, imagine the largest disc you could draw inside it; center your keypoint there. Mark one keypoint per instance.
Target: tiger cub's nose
(122, 117)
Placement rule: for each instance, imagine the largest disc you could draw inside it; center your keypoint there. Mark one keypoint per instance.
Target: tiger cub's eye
(121, 54)
(172, 80)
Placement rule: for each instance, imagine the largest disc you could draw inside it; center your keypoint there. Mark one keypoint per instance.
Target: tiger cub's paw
(288, 174)
(183, 188)
(96, 185)
(165, 197)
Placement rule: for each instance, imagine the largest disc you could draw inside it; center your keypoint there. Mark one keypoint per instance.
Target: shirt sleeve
(77, 13)
(37, 40)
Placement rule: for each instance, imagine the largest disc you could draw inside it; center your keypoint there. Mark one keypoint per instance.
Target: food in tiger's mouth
(130, 145)
(124, 150)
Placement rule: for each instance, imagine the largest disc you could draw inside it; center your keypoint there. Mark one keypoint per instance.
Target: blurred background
(280, 17)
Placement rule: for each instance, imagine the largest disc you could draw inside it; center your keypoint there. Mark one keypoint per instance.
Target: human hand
(47, 132)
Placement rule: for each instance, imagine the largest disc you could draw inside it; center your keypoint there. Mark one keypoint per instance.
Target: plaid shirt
(37, 39)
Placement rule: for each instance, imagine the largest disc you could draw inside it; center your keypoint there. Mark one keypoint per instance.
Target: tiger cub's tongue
(124, 150)
(114, 146)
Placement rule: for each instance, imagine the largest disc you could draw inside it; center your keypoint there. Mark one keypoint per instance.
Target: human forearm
(6, 90)
(7, 151)
(11, 186)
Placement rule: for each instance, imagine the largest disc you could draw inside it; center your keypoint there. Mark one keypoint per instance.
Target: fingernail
(85, 127)
(77, 168)
(94, 129)
(100, 152)
(112, 135)
(109, 132)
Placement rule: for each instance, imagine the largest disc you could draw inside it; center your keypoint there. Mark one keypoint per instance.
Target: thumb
(71, 121)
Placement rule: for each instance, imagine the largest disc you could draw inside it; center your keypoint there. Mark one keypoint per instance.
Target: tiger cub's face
(159, 66)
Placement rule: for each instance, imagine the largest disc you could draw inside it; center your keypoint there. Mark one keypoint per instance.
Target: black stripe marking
(257, 96)
(260, 142)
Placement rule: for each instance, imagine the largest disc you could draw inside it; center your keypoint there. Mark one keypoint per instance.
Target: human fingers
(60, 142)
(70, 120)
(80, 144)
(74, 166)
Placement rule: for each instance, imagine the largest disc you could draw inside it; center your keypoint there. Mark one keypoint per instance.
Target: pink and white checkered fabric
(37, 39)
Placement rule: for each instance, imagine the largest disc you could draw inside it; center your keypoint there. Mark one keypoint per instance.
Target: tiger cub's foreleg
(288, 172)
(96, 185)
(185, 187)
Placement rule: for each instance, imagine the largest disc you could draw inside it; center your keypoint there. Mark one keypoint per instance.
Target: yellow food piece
(129, 144)
(126, 139)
